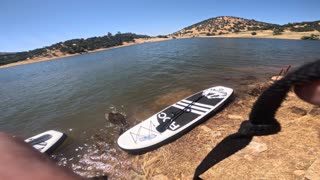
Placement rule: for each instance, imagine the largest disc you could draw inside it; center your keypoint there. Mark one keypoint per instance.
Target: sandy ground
(61, 55)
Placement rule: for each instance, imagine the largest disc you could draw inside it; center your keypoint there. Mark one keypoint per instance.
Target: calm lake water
(73, 94)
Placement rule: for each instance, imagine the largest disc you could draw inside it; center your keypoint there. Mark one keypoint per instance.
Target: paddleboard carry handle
(165, 125)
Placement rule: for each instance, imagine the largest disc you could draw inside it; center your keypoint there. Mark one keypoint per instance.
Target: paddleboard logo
(162, 118)
(214, 93)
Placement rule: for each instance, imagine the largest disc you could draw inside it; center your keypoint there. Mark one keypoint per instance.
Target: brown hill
(223, 25)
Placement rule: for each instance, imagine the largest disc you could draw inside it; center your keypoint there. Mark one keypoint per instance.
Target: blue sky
(30, 24)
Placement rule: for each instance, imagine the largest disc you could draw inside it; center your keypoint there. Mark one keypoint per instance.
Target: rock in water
(117, 118)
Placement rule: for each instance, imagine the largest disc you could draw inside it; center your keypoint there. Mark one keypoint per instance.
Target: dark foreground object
(19, 161)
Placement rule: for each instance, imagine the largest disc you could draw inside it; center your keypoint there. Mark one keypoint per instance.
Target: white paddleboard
(46, 142)
(174, 120)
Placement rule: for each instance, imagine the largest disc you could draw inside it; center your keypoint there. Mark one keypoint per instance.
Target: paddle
(165, 125)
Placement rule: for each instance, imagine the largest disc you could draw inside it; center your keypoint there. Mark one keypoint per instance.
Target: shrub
(301, 29)
(211, 34)
(311, 37)
(162, 36)
(253, 33)
(254, 28)
(277, 32)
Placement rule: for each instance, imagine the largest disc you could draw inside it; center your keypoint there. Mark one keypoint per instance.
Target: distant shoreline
(259, 34)
(41, 59)
(268, 34)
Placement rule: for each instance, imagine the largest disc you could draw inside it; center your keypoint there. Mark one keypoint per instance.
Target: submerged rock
(116, 118)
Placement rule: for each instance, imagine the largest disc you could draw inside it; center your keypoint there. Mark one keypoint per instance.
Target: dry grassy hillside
(229, 26)
(223, 25)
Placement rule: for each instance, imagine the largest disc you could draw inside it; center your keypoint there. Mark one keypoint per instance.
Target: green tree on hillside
(277, 31)
(311, 37)
(73, 46)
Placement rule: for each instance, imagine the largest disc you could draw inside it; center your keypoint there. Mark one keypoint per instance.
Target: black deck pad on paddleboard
(180, 120)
